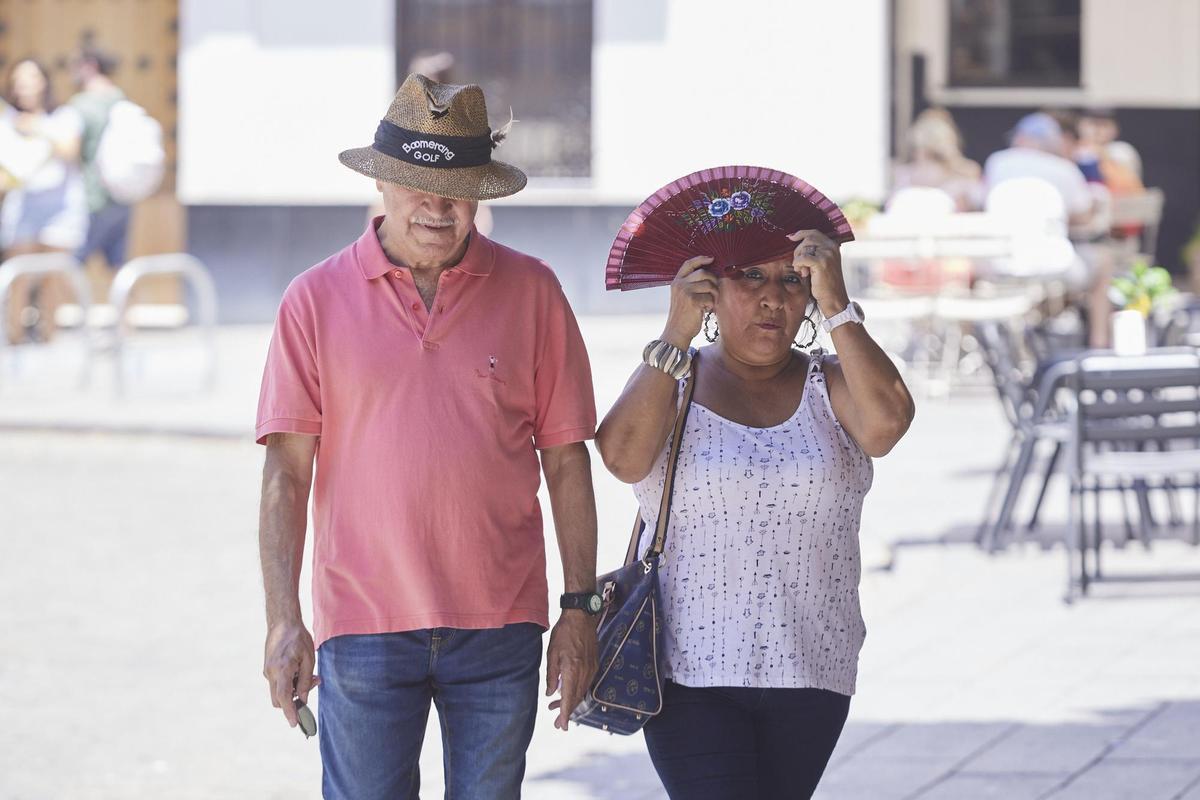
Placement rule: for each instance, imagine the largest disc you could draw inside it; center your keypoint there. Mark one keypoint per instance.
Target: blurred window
(532, 55)
(1014, 42)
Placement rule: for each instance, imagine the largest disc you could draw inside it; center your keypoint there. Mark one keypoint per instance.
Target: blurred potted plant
(858, 211)
(1137, 295)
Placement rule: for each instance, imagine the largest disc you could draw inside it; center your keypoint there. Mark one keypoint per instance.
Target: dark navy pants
(374, 702)
(727, 743)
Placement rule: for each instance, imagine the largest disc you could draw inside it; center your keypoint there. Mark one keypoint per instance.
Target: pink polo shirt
(425, 502)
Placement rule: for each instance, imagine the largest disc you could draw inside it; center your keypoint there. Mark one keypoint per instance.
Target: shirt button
(430, 346)
(416, 306)
(397, 273)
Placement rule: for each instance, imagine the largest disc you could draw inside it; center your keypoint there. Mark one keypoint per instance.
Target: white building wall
(270, 91)
(1142, 54)
(797, 85)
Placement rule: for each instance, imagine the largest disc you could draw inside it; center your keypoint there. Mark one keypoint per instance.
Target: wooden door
(144, 36)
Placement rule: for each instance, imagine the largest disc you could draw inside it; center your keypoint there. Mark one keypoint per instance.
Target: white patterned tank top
(761, 570)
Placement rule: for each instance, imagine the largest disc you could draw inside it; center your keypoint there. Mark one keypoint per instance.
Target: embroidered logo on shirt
(491, 373)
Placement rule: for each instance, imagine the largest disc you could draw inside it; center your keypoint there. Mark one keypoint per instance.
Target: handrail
(46, 264)
(182, 265)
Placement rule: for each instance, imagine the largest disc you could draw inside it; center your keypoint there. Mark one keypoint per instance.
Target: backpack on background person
(130, 158)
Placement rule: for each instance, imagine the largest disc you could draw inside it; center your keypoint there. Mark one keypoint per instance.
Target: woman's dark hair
(47, 94)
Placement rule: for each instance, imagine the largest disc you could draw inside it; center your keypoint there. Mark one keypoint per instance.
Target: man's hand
(571, 658)
(288, 666)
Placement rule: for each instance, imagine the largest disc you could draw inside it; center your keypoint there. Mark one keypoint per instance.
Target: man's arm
(571, 655)
(289, 658)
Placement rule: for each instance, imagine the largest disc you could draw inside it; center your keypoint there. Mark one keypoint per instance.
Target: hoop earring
(809, 343)
(712, 335)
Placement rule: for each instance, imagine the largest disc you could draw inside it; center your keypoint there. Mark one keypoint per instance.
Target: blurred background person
(1119, 162)
(46, 211)
(1085, 158)
(108, 231)
(935, 160)
(1039, 149)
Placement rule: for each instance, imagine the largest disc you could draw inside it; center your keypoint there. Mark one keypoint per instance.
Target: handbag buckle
(645, 566)
(607, 594)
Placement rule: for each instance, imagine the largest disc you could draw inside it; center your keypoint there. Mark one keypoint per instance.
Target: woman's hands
(693, 292)
(818, 257)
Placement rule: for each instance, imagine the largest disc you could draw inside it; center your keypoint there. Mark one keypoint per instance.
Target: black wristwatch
(584, 601)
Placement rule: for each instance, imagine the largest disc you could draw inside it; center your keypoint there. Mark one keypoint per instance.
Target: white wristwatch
(851, 313)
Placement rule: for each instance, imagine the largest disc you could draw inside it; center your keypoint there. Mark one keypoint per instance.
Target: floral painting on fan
(730, 208)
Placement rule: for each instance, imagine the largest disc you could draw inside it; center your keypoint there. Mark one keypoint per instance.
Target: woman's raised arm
(635, 429)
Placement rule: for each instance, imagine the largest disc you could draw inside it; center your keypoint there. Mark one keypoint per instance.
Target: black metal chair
(1134, 420)
(1032, 422)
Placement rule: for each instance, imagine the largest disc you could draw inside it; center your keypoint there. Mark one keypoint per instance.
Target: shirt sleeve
(566, 406)
(290, 399)
(66, 121)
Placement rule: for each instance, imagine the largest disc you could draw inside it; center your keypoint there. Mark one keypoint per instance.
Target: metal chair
(1143, 213)
(1033, 203)
(1032, 422)
(194, 274)
(1134, 419)
(42, 265)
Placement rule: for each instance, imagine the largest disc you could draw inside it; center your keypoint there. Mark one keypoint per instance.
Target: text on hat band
(432, 150)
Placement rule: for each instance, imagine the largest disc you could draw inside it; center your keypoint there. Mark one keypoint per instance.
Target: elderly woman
(761, 572)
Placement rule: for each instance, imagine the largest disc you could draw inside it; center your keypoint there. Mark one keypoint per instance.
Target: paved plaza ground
(132, 609)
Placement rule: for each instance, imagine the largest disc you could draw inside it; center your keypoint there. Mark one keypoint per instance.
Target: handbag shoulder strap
(665, 506)
(631, 551)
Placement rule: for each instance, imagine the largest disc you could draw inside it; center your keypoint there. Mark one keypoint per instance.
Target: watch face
(594, 604)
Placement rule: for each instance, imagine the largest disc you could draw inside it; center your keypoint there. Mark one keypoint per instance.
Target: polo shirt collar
(373, 262)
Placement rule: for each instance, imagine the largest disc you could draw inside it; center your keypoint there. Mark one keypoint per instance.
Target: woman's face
(760, 313)
(28, 86)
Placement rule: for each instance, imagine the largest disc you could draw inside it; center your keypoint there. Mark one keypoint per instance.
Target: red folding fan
(737, 215)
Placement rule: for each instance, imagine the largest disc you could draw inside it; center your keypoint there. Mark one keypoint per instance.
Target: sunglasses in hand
(304, 715)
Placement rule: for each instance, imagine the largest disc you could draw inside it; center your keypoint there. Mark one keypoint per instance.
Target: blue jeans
(108, 233)
(723, 743)
(374, 702)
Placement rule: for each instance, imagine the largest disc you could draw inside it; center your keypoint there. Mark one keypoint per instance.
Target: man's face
(429, 229)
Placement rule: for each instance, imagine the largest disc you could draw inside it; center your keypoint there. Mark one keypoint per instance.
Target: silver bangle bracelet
(668, 358)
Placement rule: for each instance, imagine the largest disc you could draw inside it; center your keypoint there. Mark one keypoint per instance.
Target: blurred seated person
(935, 160)
(1039, 150)
(1085, 158)
(1119, 163)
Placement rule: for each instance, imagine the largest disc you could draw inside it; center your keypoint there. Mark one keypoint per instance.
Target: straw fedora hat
(435, 138)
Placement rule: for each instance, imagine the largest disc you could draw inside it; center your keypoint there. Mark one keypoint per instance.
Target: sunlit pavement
(130, 598)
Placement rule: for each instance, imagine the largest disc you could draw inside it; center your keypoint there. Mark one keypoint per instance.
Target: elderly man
(424, 368)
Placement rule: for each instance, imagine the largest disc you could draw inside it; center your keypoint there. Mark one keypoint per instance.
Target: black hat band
(432, 150)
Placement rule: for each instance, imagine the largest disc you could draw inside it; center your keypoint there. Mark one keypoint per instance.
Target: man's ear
(379, 186)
